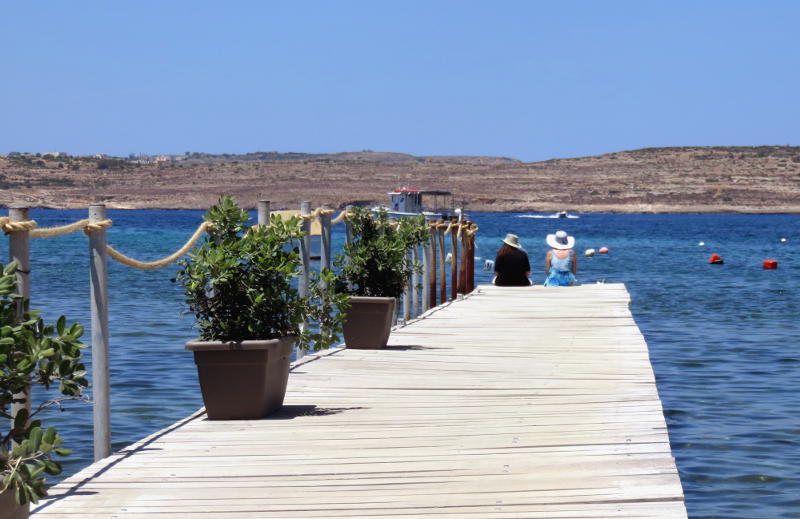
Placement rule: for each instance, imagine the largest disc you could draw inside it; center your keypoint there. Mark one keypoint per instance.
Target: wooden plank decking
(512, 403)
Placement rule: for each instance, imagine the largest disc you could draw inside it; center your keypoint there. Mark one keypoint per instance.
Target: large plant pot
(242, 380)
(9, 509)
(369, 321)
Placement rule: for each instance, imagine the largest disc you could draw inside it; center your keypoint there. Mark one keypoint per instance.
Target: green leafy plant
(33, 353)
(239, 283)
(376, 262)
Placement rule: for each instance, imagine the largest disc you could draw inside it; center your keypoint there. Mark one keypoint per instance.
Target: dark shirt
(511, 269)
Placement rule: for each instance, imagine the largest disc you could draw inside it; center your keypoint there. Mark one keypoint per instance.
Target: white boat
(432, 203)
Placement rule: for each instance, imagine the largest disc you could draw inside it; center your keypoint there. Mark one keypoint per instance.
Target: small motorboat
(409, 202)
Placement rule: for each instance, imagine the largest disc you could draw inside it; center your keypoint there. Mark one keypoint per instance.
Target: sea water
(724, 340)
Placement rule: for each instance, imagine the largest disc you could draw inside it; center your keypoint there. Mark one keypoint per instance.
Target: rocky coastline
(757, 179)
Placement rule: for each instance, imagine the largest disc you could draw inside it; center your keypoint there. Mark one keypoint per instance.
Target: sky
(533, 80)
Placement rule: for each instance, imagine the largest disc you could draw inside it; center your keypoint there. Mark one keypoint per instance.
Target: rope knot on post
(97, 226)
(8, 226)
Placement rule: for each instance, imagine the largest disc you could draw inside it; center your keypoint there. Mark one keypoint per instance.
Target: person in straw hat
(511, 266)
(560, 264)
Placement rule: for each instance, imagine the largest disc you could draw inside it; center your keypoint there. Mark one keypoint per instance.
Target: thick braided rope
(97, 226)
(448, 228)
(316, 213)
(163, 262)
(340, 218)
(51, 232)
(8, 226)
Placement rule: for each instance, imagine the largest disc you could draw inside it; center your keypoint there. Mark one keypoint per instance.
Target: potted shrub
(238, 283)
(375, 269)
(32, 353)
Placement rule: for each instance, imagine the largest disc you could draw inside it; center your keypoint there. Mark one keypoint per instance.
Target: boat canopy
(410, 200)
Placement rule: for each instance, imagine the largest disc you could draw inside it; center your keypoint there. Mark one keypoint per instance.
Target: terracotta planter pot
(9, 509)
(369, 321)
(242, 380)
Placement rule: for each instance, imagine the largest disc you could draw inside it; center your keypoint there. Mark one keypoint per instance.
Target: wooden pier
(510, 403)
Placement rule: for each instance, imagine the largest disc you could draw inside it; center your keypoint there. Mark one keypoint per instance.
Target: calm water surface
(723, 339)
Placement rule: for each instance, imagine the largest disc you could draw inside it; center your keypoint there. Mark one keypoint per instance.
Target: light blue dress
(560, 274)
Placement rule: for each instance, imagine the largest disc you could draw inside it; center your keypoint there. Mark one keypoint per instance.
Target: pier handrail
(419, 296)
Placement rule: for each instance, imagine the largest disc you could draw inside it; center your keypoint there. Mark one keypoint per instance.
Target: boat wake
(546, 216)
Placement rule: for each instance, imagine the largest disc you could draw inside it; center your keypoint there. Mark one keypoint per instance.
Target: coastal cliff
(759, 179)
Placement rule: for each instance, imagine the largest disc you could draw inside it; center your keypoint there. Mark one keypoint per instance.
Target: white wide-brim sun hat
(560, 240)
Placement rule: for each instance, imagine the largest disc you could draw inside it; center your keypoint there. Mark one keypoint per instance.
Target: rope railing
(51, 232)
(163, 262)
(97, 226)
(340, 218)
(432, 255)
(8, 226)
(84, 225)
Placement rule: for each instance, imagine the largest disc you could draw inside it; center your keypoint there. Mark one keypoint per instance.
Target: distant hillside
(684, 179)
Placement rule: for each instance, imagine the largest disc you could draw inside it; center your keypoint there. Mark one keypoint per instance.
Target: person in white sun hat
(511, 266)
(561, 263)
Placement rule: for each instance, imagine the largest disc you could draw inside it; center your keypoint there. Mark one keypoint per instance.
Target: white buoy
(701, 243)
(589, 253)
(449, 258)
(783, 240)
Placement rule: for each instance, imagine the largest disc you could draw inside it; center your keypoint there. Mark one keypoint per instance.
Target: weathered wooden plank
(511, 403)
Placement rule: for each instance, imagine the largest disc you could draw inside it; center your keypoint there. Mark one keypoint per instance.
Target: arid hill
(762, 179)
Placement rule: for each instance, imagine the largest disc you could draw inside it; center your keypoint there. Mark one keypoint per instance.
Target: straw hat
(560, 240)
(513, 241)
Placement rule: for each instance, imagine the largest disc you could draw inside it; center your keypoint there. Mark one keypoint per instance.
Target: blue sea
(724, 339)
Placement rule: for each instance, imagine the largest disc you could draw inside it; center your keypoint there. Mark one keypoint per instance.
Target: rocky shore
(760, 179)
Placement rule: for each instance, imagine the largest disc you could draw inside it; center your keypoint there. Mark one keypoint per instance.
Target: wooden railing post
(462, 265)
(98, 288)
(325, 239)
(19, 251)
(442, 274)
(407, 297)
(348, 228)
(414, 282)
(433, 267)
(454, 263)
(305, 248)
(426, 275)
(263, 212)
(348, 238)
(471, 267)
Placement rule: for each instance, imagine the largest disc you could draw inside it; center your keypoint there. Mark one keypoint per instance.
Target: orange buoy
(715, 259)
(602, 250)
(770, 264)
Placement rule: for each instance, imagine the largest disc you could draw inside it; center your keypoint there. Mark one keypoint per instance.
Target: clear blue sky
(526, 79)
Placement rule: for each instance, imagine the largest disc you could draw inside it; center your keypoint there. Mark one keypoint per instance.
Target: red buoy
(770, 264)
(602, 250)
(715, 259)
